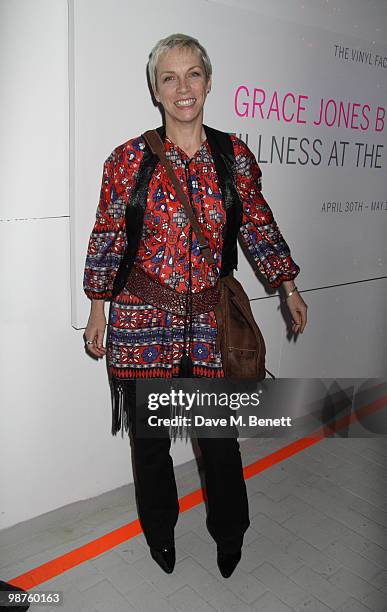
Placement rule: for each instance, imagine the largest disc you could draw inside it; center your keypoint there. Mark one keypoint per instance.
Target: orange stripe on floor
(57, 566)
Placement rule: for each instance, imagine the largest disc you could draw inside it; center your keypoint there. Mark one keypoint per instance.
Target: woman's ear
(209, 85)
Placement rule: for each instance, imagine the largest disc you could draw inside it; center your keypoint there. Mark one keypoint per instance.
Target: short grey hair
(176, 40)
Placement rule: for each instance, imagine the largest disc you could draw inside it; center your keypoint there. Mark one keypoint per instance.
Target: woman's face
(181, 85)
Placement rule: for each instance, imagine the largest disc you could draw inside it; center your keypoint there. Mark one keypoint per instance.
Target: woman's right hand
(95, 329)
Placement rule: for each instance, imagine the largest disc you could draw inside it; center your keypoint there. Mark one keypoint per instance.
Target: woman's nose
(182, 85)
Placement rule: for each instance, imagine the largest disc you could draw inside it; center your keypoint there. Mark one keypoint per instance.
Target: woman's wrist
(98, 306)
(289, 287)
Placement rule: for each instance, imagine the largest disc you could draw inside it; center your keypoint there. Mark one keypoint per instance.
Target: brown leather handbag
(239, 338)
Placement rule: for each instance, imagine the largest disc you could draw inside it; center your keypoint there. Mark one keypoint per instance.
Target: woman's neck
(188, 137)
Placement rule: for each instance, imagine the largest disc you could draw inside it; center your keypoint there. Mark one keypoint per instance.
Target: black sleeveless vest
(223, 155)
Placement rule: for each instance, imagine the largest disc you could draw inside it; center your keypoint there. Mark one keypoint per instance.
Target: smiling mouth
(185, 103)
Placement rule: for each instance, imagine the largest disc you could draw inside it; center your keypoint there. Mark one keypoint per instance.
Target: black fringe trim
(123, 394)
(180, 429)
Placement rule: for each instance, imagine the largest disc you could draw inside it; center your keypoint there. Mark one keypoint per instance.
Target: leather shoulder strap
(223, 141)
(157, 147)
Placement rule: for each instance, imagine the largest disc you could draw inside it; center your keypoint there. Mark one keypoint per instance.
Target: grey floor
(317, 541)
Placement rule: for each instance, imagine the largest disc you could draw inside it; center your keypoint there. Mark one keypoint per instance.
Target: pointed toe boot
(227, 562)
(165, 557)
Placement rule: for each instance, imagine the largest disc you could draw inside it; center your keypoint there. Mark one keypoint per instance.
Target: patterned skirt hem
(130, 373)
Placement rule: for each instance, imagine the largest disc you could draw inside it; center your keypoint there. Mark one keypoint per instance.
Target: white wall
(55, 441)
(111, 103)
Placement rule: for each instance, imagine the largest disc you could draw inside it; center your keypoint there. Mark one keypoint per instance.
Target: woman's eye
(168, 78)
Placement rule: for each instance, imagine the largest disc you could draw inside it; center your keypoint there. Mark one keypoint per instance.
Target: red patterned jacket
(163, 247)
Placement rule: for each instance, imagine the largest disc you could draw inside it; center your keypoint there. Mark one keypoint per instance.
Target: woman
(140, 225)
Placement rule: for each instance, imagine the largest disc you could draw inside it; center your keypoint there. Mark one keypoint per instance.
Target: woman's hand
(298, 310)
(95, 329)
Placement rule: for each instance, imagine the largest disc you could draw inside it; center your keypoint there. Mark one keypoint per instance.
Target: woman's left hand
(298, 310)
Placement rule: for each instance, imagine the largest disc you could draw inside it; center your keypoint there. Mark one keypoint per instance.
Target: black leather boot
(227, 562)
(165, 557)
